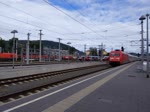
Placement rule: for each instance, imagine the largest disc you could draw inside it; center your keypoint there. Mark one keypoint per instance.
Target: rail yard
(74, 56)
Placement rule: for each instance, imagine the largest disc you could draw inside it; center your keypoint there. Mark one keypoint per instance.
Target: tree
(72, 50)
(93, 51)
(2, 44)
(34, 44)
(10, 43)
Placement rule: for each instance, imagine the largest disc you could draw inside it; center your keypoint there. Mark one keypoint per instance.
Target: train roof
(119, 51)
(116, 51)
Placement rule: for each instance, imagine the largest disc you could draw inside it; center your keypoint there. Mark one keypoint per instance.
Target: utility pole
(142, 43)
(101, 50)
(147, 17)
(16, 48)
(142, 40)
(21, 54)
(68, 49)
(40, 45)
(34, 49)
(59, 48)
(27, 51)
(85, 51)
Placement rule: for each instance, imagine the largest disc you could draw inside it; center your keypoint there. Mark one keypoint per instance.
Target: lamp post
(40, 46)
(84, 52)
(21, 54)
(16, 42)
(59, 48)
(142, 41)
(147, 17)
(68, 50)
(0, 45)
(27, 49)
(13, 50)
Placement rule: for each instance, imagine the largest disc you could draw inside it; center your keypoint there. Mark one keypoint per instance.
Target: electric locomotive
(118, 57)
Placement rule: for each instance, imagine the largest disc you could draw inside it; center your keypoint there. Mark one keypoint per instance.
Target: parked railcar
(7, 56)
(118, 57)
(67, 57)
(92, 58)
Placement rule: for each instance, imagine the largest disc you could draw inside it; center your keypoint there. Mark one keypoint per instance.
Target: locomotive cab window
(114, 54)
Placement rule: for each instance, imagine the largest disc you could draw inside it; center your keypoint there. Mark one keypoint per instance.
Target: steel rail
(16, 85)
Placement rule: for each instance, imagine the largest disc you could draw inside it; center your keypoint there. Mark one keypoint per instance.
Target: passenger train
(118, 57)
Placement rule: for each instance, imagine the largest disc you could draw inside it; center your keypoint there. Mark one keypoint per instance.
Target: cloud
(119, 18)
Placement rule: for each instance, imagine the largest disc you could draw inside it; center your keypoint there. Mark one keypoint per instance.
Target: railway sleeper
(28, 85)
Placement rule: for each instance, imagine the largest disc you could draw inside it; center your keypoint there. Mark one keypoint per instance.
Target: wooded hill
(34, 44)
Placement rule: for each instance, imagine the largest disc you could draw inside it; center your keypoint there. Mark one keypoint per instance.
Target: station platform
(9, 72)
(120, 89)
(128, 91)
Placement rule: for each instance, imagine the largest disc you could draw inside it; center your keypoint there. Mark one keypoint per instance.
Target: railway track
(13, 87)
(9, 64)
(24, 64)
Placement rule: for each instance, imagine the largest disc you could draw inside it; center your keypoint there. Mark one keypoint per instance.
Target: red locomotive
(118, 57)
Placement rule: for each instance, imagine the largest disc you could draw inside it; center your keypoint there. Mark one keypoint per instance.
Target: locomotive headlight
(117, 58)
(111, 58)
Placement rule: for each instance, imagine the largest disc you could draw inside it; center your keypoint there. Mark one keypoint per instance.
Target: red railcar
(34, 56)
(67, 57)
(7, 56)
(92, 58)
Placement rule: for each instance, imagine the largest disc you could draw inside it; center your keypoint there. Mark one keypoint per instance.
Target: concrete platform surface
(8, 72)
(127, 92)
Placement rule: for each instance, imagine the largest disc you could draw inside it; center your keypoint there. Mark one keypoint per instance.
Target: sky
(113, 23)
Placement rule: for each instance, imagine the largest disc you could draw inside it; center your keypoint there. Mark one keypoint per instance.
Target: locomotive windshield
(114, 54)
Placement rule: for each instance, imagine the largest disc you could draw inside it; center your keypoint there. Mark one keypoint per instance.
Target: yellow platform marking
(71, 100)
